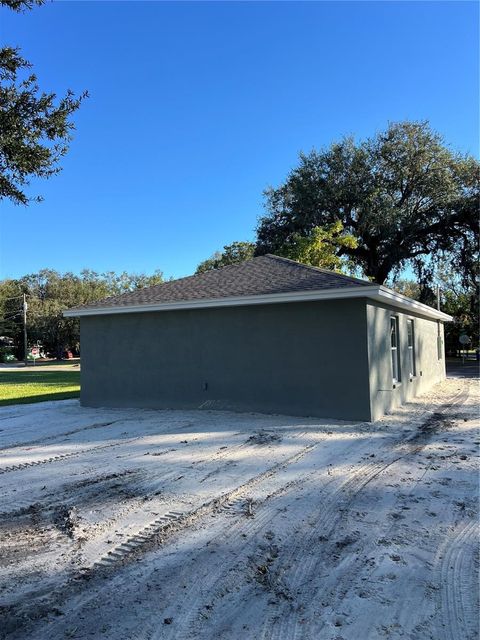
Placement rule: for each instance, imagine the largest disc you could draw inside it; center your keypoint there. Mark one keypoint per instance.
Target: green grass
(22, 387)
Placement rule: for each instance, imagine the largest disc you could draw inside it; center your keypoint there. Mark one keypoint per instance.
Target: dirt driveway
(128, 524)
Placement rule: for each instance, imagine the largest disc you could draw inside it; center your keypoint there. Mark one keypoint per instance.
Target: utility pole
(438, 297)
(25, 344)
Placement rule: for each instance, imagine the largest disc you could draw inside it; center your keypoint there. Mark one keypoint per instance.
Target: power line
(28, 295)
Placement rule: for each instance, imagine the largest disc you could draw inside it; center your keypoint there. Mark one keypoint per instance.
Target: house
(268, 335)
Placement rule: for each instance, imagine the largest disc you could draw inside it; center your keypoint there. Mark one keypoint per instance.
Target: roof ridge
(320, 269)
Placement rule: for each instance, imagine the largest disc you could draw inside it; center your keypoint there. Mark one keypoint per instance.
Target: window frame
(440, 347)
(412, 352)
(395, 350)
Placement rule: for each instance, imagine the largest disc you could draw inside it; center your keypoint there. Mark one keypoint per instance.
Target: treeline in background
(48, 293)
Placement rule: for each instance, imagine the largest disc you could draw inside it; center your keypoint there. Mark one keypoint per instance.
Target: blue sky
(195, 108)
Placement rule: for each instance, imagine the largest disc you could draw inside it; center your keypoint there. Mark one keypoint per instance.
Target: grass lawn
(21, 387)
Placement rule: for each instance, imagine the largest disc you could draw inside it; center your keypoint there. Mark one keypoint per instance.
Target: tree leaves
(231, 254)
(35, 127)
(49, 293)
(21, 5)
(321, 247)
(402, 194)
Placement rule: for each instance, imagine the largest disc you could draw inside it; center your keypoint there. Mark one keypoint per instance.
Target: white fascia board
(387, 296)
(375, 292)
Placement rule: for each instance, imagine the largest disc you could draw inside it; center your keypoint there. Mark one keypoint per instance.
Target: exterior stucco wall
(306, 358)
(430, 369)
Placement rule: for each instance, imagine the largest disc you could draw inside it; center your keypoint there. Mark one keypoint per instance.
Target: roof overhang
(374, 292)
(388, 296)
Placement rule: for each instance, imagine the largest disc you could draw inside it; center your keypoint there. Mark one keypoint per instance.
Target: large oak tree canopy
(402, 194)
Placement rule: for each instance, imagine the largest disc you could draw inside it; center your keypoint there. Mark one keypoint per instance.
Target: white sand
(128, 524)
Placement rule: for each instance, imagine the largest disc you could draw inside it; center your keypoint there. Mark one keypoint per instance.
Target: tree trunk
(377, 269)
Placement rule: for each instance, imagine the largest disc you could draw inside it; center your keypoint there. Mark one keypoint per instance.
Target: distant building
(268, 335)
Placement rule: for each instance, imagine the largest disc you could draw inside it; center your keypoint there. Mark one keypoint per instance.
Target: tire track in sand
(459, 590)
(133, 548)
(285, 625)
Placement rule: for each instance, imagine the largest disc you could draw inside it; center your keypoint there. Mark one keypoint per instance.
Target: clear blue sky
(195, 108)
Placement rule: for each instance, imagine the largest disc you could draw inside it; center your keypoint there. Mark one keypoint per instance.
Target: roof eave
(235, 301)
(388, 296)
(375, 292)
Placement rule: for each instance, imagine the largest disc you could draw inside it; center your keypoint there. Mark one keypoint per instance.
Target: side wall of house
(305, 359)
(429, 367)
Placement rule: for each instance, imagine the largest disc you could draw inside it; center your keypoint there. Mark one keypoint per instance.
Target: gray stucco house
(268, 335)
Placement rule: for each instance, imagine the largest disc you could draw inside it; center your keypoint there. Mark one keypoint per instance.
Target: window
(394, 347)
(439, 342)
(411, 347)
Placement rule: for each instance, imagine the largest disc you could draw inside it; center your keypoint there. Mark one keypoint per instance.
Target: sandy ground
(128, 524)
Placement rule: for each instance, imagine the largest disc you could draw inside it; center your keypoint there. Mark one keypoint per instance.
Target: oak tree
(404, 195)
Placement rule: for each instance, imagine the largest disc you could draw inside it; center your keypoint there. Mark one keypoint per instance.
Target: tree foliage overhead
(21, 5)
(35, 127)
(231, 254)
(402, 195)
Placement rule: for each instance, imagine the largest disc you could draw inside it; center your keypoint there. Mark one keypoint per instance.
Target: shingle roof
(263, 275)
